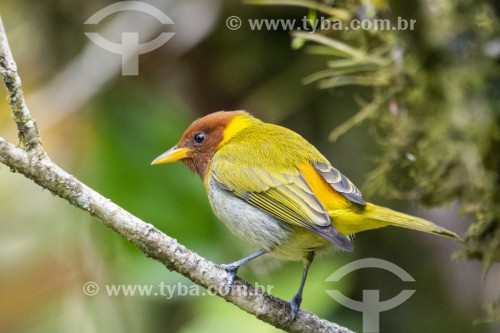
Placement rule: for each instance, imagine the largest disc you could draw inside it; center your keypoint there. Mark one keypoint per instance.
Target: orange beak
(172, 155)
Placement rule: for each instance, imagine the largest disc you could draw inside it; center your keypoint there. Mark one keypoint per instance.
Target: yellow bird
(275, 190)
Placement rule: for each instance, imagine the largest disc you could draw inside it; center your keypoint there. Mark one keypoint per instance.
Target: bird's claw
(232, 270)
(294, 306)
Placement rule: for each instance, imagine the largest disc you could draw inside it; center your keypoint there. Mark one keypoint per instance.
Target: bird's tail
(373, 217)
(397, 219)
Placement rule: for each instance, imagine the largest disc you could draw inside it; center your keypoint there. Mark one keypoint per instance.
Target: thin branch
(32, 161)
(342, 48)
(366, 112)
(26, 126)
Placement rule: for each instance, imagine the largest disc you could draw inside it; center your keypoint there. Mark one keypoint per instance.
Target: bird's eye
(199, 137)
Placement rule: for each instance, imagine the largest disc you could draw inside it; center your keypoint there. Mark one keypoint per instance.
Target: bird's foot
(232, 269)
(295, 306)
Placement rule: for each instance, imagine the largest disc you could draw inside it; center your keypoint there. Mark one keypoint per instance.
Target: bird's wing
(285, 195)
(339, 182)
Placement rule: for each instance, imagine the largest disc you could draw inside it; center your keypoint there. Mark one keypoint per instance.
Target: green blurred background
(106, 128)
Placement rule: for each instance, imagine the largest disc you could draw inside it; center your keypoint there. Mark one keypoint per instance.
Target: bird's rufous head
(201, 139)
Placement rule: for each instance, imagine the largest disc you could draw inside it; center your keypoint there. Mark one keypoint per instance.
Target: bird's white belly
(260, 229)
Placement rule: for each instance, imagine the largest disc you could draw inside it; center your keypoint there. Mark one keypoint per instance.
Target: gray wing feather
(339, 182)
